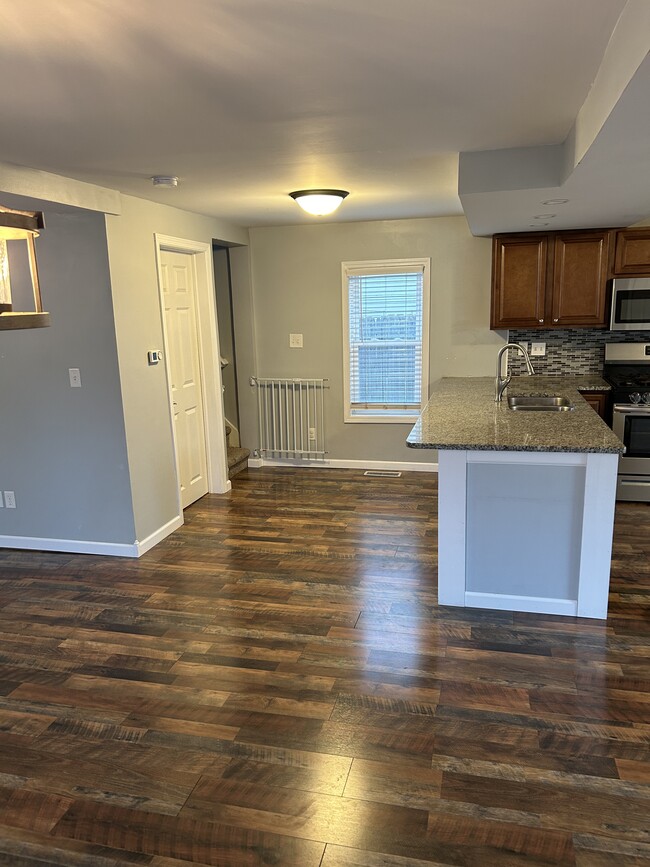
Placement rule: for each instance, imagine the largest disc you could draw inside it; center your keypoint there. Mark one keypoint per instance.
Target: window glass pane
(388, 374)
(385, 327)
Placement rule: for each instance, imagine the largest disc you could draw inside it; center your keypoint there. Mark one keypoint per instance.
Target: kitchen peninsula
(526, 499)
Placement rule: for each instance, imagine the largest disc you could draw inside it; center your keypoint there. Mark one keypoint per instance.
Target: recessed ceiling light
(544, 216)
(555, 202)
(164, 181)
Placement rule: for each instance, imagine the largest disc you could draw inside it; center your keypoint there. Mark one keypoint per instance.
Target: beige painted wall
(296, 280)
(138, 326)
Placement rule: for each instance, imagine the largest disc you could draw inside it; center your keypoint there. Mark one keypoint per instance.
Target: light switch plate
(75, 377)
(538, 349)
(295, 341)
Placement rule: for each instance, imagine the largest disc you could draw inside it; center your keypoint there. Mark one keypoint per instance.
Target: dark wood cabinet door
(632, 255)
(519, 280)
(580, 272)
(597, 400)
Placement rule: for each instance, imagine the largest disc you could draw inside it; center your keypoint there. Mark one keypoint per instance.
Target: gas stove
(627, 369)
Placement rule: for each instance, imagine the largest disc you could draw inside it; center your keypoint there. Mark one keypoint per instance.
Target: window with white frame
(385, 339)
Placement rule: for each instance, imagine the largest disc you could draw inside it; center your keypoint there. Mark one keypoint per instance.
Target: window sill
(381, 419)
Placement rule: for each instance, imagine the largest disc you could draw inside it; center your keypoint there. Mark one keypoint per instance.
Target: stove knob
(645, 397)
(635, 397)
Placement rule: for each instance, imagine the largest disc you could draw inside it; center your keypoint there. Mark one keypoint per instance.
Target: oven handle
(627, 409)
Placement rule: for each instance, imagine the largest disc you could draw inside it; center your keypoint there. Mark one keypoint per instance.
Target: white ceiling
(246, 100)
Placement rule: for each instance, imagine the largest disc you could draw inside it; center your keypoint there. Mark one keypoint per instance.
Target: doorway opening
(191, 350)
(237, 454)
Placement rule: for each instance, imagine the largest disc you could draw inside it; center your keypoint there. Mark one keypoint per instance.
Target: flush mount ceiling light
(319, 202)
(16, 229)
(164, 181)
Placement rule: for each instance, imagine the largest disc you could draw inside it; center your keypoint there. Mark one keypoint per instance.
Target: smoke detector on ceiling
(164, 181)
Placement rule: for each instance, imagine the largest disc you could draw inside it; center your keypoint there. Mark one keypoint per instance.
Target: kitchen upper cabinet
(519, 280)
(551, 280)
(632, 255)
(580, 272)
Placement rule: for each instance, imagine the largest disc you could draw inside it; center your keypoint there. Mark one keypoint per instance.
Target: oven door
(632, 425)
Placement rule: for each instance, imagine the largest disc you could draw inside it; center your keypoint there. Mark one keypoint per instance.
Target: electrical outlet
(295, 341)
(524, 346)
(312, 433)
(10, 500)
(75, 377)
(538, 349)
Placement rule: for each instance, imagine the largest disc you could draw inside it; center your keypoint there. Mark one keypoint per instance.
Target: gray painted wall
(63, 449)
(296, 287)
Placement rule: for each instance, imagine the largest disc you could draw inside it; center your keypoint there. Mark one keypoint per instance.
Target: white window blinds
(385, 334)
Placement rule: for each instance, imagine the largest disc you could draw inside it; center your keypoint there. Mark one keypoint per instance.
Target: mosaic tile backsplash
(575, 350)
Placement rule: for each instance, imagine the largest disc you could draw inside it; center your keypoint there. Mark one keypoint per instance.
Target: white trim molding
(593, 504)
(404, 466)
(160, 534)
(81, 546)
(532, 604)
(382, 267)
(70, 546)
(206, 306)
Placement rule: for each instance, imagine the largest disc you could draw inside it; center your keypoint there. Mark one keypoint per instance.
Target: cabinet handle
(541, 321)
(556, 320)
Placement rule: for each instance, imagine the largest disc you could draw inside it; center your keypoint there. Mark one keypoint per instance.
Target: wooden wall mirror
(20, 291)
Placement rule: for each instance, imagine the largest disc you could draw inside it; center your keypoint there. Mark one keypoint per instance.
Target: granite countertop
(462, 414)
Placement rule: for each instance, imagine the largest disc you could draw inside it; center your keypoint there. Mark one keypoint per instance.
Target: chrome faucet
(502, 383)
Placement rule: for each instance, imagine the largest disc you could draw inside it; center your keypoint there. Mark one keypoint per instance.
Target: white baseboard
(159, 535)
(533, 604)
(78, 546)
(69, 546)
(404, 466)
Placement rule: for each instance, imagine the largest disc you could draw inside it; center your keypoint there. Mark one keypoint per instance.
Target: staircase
(237, 456)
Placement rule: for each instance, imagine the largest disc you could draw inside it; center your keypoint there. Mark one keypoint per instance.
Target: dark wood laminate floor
(275, 685)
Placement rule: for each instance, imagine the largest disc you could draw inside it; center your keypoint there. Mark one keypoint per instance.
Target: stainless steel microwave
(630, 304)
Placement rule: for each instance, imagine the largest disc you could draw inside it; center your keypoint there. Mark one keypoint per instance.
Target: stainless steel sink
(532, 403)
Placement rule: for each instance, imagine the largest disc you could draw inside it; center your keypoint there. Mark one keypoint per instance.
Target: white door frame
(208, 334)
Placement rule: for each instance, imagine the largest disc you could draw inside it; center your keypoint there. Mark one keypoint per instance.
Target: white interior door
(179, 299)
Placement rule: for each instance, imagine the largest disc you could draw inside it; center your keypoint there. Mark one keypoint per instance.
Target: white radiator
(291, 417)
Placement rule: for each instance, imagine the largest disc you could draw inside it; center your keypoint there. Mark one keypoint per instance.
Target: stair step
(237, 460)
